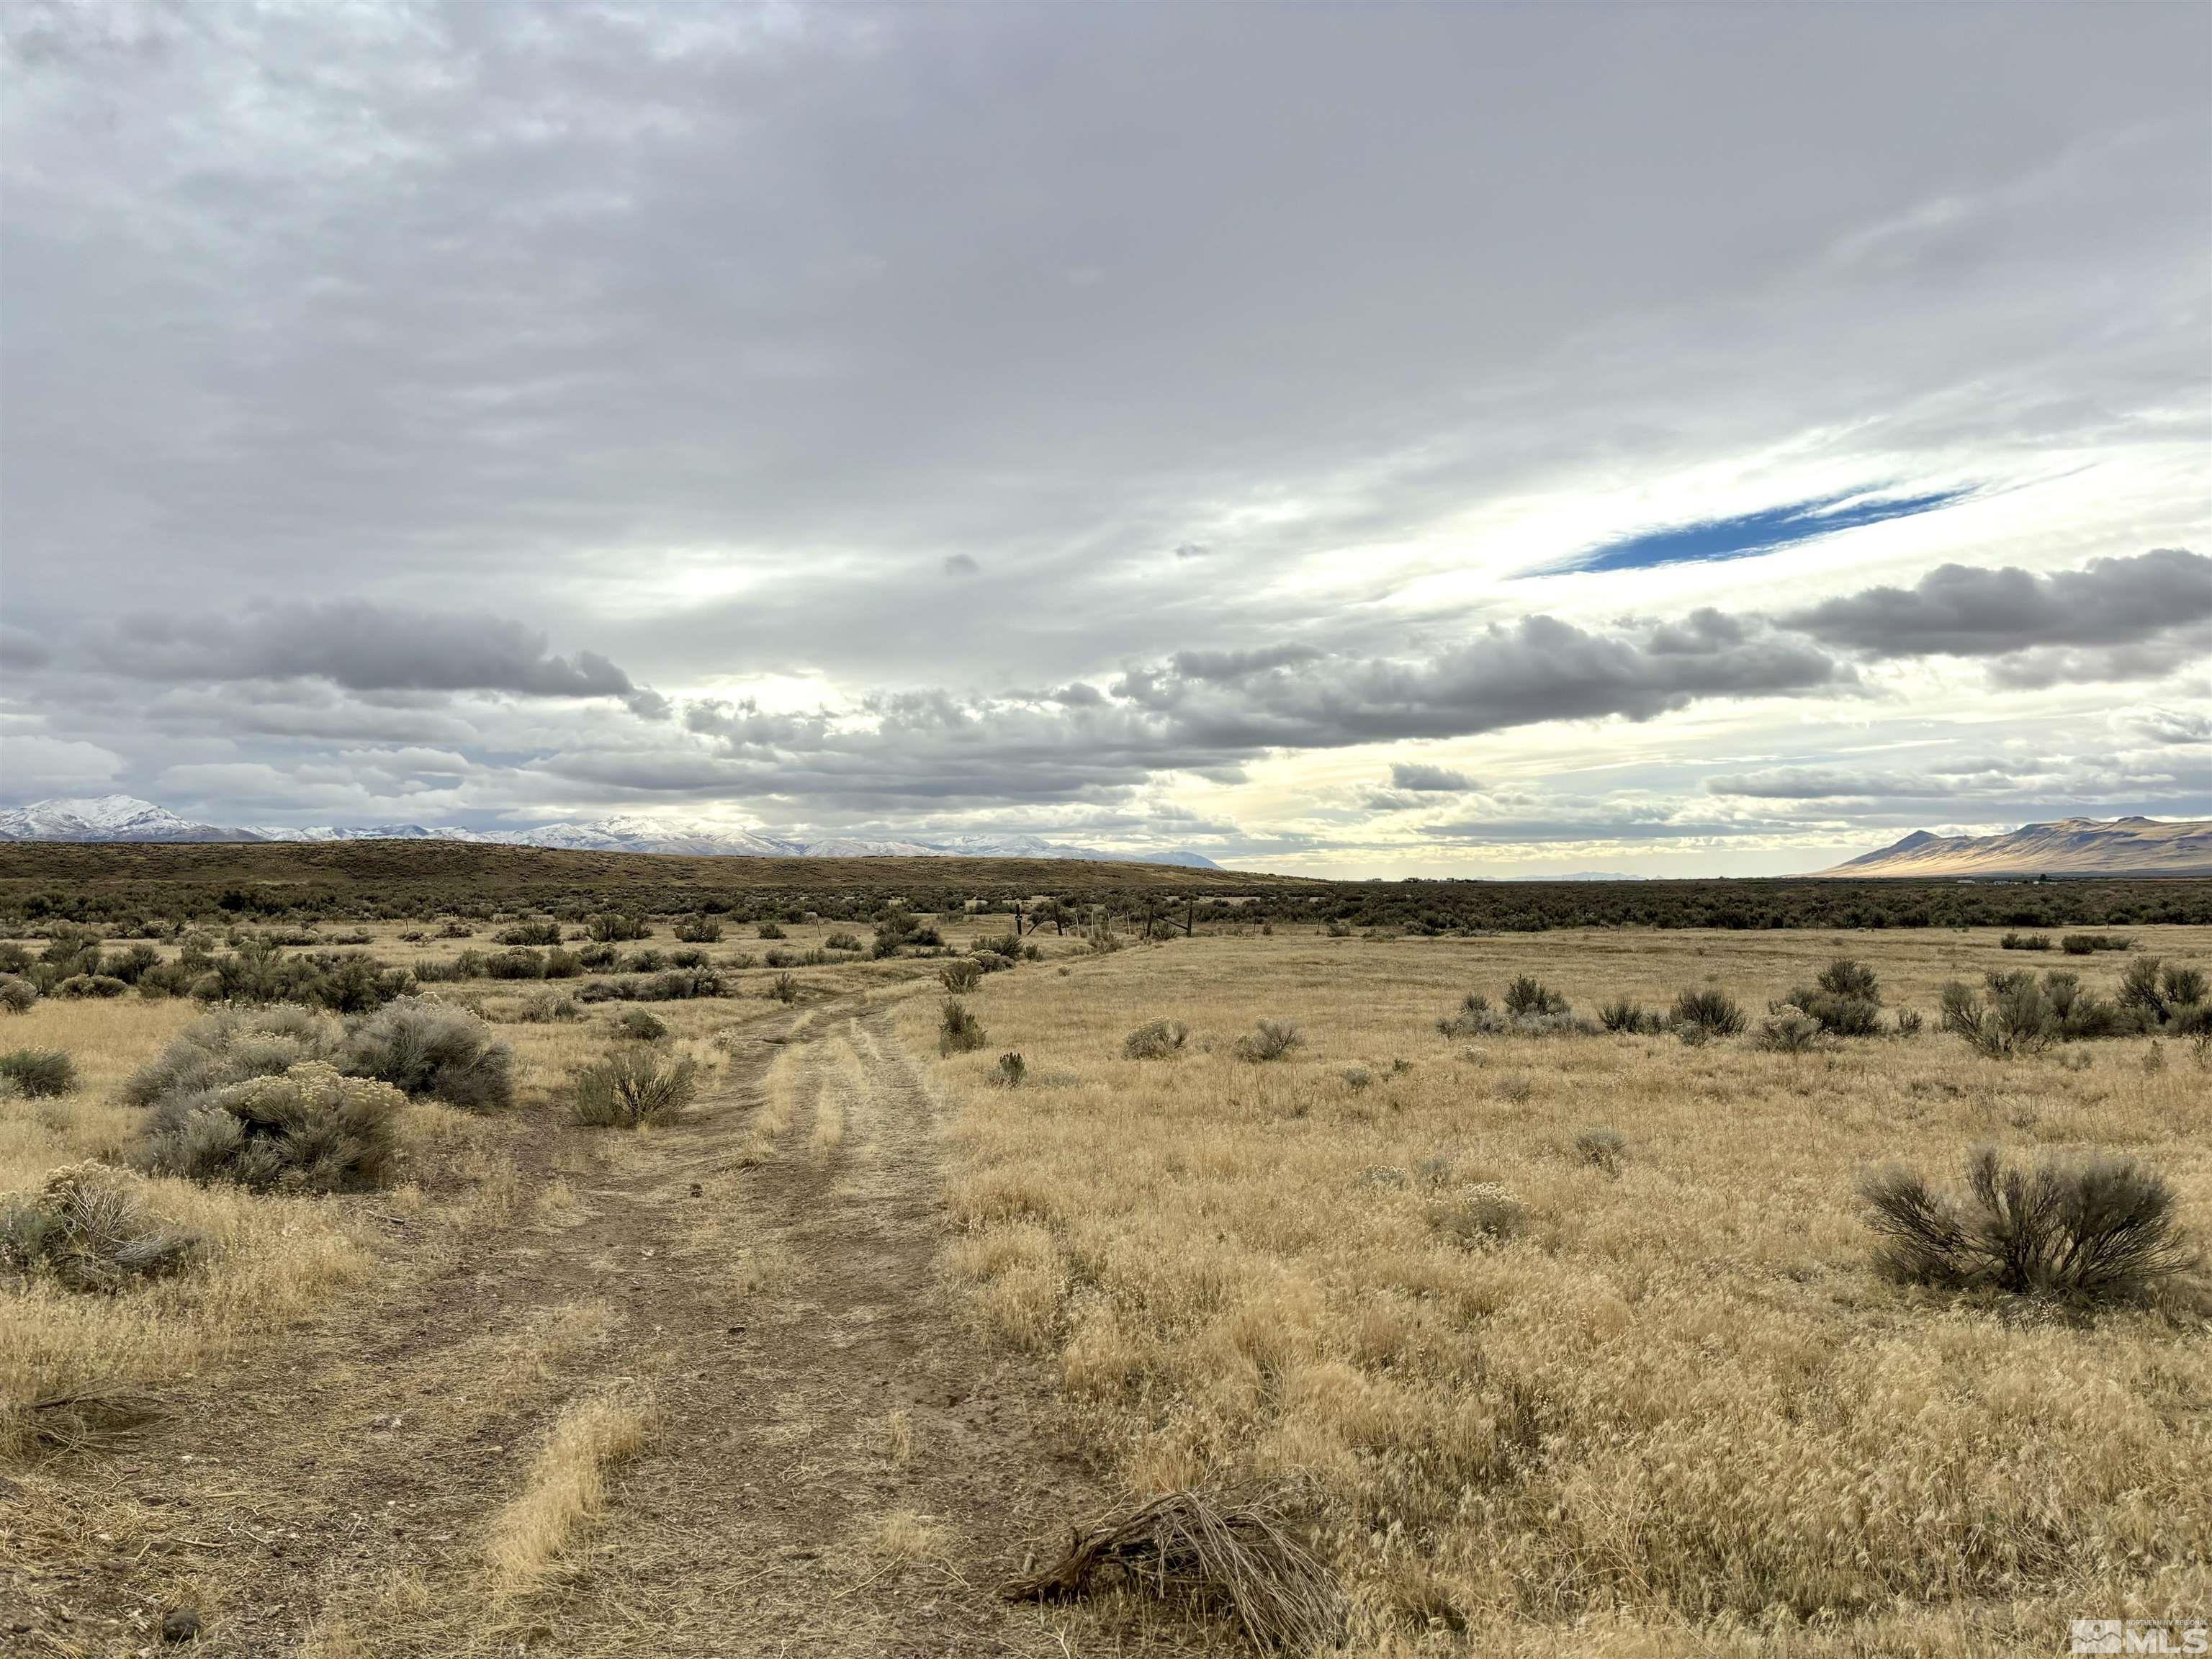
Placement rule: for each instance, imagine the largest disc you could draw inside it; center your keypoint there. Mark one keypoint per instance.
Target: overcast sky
(1462, 440)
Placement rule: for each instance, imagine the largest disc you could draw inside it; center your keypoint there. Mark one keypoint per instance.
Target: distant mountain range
(127, 818)
(2071, 847)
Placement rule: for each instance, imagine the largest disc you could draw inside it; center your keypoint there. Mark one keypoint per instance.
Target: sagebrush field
(1525, 1290)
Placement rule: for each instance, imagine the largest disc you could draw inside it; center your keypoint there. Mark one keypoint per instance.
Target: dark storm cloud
(1422, 779)
(361, 646)
(1962, 611)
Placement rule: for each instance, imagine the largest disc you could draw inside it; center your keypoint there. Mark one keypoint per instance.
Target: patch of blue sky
(1748, 535)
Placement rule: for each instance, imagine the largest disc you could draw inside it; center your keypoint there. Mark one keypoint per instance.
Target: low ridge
(2069, 846)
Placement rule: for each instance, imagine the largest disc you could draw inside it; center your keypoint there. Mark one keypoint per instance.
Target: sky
(1455, 440)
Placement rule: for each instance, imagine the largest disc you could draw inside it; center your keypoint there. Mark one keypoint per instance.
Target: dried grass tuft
(1236, 1558)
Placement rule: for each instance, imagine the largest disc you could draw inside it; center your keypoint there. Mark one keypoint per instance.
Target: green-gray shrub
(634, 1085)
(309, 1129)
(1156, 1039)
(2104, 1230)
(959, 1032)
(1270, 1039)
(424, 1047)
(39, 1073)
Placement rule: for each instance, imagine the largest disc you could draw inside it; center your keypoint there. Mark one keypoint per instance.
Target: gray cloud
(1838, 783)
(743, 343)
(362, 646)
(1209, 712)
(1424, 779)
(22, 649)
(1966, 612)
(2173, 726)
(2148, 659)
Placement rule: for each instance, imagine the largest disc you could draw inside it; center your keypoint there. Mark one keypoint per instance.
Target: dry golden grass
(904, 1536)
(566, 1488)
(840, 1077)
(266, 1261)
(1675, 1411)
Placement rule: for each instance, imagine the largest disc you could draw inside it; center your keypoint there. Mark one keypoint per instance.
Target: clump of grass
(84, 987)
(2025, 942)
(16, 994)
(961, 975)
(2104, 1229)
(2083, 945)
(39, 1073)
(1788, 1029)
(1270, 1039)
(1845, 1001)
(1474, 1017)
(1156, 1039)
(1716, 1013)
(1196, 1548)
(1527, 994)
(959, 1032)
(424, 1047)
(1011, 1070)
(2012, 1015)
(1514, 1088)
(1627, 1018)
(546, 1009)
(773, 930)
(1608, 1149)
(634, 1085)
(89, 1229)
(1483, 1214)
(699, 930)
(784, 988)
(566, 1487)
(1531, 1010)
(640, 1025)
(310, 1128)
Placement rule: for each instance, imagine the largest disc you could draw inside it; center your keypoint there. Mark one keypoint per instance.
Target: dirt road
(829, 1464)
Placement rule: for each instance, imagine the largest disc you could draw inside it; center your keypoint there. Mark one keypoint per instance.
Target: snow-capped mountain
(126, 818)
(106, 817)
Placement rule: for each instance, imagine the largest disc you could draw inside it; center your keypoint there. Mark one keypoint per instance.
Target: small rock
(179, 1625)
(698, 1191)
